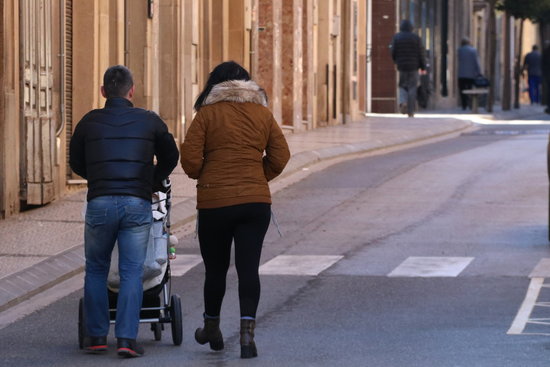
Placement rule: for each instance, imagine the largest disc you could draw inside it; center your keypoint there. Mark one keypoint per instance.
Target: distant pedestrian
(224, 149)
(114, 149)
(408, 53)
(468, 70)
(546, 74)
(533, 64)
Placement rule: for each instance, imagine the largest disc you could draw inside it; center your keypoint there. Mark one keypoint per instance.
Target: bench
(475, 93)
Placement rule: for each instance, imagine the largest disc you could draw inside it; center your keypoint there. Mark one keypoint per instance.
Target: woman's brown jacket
(225, 144)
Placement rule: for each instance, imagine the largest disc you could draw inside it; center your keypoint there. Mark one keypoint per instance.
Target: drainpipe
(61, 56)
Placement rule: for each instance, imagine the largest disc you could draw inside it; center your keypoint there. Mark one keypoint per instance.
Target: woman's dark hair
(225, 71)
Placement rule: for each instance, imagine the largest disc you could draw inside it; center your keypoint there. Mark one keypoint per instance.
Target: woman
(224, 149)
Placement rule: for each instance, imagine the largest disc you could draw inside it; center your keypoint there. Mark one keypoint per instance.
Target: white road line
(431, 267)
(527, 306)
(542, 270)
(183, 263)
(298, 264)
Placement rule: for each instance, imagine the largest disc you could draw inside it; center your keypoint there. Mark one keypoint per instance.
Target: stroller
(159, 306)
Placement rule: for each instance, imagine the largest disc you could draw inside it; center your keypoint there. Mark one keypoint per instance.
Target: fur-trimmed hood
(240, 91)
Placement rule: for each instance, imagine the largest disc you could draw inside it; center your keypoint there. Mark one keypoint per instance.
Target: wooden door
(384, 75)
(37, 185)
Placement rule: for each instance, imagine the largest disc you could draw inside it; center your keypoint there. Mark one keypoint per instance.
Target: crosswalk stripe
(431, 267)
(522, 317)
(298, 264)
(542, 270)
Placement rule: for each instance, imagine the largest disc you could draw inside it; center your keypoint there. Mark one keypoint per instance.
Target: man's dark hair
(225, 71)
(117, 81)
(406, 26)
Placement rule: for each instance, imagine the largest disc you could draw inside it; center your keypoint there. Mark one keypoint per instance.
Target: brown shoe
(248, 346)
(210, 333)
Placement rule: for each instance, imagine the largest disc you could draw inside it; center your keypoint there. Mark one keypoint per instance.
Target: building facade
(305, 53)
(441, 24)
(321, 62)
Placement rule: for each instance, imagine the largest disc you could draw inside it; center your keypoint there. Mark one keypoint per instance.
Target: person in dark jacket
(233, 148)
(546, 74)
(533, 64)
(408, 54)
(114, 149)
(468, 69)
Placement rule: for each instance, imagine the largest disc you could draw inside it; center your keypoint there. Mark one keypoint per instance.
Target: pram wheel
(157, 328)
(81, 323)
(176, 319)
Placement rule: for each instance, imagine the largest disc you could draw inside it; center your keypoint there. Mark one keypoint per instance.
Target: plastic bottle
(173, 241)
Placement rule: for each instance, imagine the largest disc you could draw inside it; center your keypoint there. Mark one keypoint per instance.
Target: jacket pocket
(96, 217)
(138, 215)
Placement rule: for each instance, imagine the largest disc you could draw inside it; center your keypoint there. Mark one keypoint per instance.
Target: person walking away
(408, 54)
(546, 74)
(533, 64)
(224, 149)
(114, 149)
(468, 70)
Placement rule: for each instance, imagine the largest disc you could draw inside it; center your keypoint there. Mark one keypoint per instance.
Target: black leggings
(464, 84)
(247, 225)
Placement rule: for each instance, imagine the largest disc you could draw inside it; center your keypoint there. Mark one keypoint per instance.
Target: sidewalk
(42, 247)
(527, 112)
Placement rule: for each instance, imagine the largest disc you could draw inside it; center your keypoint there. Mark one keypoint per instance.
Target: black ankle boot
(210, 333)
(248, 347)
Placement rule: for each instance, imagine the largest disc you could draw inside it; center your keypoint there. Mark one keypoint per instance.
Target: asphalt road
(420, 257)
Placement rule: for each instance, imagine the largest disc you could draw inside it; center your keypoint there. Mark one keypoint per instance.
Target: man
(114, 148)
(533, 64)
(408, 54)
(468, 69)
(546, 74)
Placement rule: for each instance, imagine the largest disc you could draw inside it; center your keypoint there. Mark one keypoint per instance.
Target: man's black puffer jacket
(114, 147)
(407, 50)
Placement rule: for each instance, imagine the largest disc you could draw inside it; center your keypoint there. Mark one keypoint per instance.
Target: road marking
(298, 264)
(542, 270)
(183, 263)
(522, 317)
(431, 267)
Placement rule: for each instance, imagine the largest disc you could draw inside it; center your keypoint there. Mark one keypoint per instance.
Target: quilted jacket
(234, 146)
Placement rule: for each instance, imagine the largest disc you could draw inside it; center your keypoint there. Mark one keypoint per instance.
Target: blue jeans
(127, 219)
(408, 84)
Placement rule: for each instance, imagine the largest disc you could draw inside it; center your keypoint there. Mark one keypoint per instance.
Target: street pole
(517, 68)
(444, 46)
(507, 90)
(492, 54)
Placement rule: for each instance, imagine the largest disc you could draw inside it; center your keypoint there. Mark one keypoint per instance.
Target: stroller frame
(155, 309)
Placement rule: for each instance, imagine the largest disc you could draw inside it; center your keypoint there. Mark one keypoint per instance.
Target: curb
(303, 159)
(28, 282)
